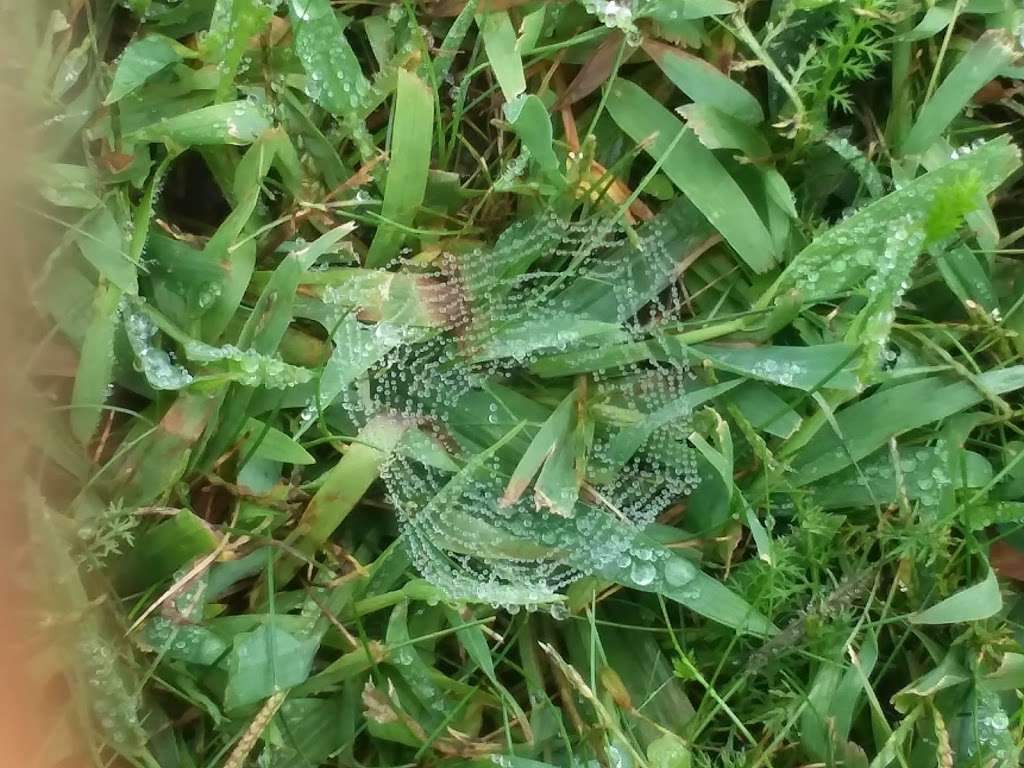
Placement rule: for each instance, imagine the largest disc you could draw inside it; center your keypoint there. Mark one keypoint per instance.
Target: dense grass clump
(589, 382)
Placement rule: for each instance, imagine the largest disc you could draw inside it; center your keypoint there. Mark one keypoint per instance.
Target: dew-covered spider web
(509, 485)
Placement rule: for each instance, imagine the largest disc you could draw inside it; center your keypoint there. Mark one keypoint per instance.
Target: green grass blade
(695, 170)
(411, 137)
(867, 425)
(971, 604)
(236, 122)
(990, 54)
(95, 364)
(704, 83)
(143, 59)
(502, 52)
(334, 77)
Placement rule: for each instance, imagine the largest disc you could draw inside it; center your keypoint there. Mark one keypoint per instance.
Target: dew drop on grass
(642, 573)
(160, 371)
(679, 572)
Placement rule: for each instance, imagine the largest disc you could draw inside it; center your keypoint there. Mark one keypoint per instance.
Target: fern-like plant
(846, 51)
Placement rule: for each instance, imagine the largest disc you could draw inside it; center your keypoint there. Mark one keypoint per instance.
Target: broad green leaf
(334, 77)
(68, 185)
(668, 751)
(720, 130)
(275, 445)
(948, 674)
(502, 52)
(922, 474)
(104, 243)
(705, 84)
(162, 550)
(669, 11)
(531, 121)
(530, 30)
(233, 24)
(1009, 676)
(68, 296)
(72, 67)
(935, 19)
(823, 366)
(966, 277)
(411, 141)
(143, 59)
(315, 729)
(237, 122)
(381, 34)
(764, 409)
(975, 603)
(265, 661)
(558, 485)
(694, 170)
(183, 637)
(984, 514)
(983, 727)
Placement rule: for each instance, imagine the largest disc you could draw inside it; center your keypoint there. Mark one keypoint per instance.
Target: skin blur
(34, 699)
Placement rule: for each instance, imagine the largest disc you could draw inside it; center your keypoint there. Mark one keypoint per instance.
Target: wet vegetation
(625, 383)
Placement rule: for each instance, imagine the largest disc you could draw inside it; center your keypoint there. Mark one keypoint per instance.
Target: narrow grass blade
(695, 170)
(555, 429)
(990, 54)
(676, 578)
(530, 120)
(867, 425)
(152, 465)
(411, 137)
(346, 483)
(236, 259)
(233, 24)
(95, 364)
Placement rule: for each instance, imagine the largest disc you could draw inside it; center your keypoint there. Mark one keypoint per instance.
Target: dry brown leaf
(594, 73)
(1007, 561)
